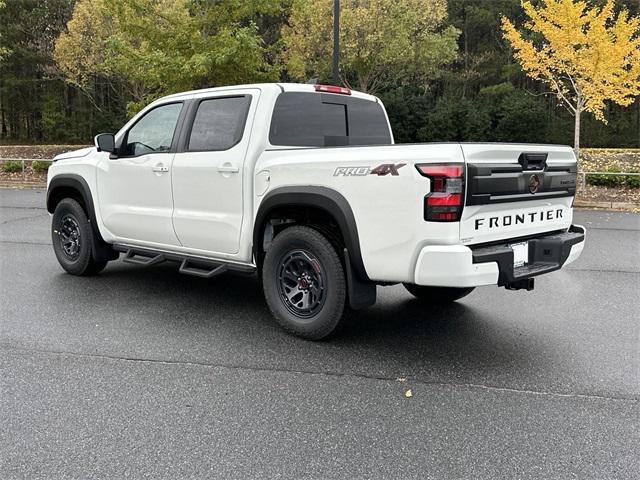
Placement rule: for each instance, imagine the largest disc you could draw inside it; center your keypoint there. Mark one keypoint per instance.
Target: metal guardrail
(583, 182)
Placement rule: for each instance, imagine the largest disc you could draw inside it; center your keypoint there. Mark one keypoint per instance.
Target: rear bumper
(461, 266)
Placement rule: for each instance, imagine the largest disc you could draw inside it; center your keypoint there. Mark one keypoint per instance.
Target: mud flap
(361, 294)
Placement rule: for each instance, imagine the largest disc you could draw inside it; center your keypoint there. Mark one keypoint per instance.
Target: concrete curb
(626, 206)
(22, 185)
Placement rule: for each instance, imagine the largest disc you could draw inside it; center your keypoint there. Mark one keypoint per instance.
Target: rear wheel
(437, 294)
(72, 238)
(304, 283)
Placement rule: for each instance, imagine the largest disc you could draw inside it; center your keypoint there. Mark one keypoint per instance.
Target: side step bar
(201, 272)
(131, 256)
(189, 265)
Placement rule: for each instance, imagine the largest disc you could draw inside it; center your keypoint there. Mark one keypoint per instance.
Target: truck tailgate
(515, 191)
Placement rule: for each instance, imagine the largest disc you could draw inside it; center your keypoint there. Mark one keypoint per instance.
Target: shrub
(634, 182)
(11, 166)
(614, 181)
(40, 166)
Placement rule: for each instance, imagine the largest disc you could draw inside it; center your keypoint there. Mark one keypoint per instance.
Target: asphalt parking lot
(145, 373)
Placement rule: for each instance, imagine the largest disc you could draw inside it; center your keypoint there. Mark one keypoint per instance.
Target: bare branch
(562, 95)
(539, 94)
(573, 84)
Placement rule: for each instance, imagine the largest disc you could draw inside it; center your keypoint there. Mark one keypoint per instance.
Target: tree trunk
(465, 33)
(3, 121)
(638, 120)
(576, 133)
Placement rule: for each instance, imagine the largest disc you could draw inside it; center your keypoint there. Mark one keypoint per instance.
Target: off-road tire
(70, 218)
(310, 246)
(440, 295)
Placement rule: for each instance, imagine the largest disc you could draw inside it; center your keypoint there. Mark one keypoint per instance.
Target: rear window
(319, 120)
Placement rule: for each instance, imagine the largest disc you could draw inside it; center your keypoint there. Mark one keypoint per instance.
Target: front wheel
(437, 294)
(73, 238)
(304, 283)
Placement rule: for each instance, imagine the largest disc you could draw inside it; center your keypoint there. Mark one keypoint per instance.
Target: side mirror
(105, 142)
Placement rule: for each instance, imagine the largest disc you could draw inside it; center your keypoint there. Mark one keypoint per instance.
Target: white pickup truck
(303, 185)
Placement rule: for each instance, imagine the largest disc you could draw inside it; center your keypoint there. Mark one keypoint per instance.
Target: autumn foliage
(586, 55)
(72, 68)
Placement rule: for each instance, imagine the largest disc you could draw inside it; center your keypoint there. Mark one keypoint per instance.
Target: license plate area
(520, 253)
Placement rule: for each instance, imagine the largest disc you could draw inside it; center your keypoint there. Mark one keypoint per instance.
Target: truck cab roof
(282, 87)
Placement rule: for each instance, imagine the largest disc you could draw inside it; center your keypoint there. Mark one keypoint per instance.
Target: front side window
(153, 133)
(219, 123)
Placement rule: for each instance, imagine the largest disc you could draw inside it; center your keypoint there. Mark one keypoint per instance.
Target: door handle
(160, 168)
(228, 168)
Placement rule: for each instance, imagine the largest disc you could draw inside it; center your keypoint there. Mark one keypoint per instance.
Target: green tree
(4, 50)
(382, 42)
(163, 46)
(29, 29)
(483, 57)
(515, 115)
(407, 107)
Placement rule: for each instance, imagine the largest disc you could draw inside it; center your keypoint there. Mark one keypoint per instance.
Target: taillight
(332, 89)
(445, 201)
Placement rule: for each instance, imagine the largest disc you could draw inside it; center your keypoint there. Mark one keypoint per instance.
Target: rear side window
(218, 123)
(317, 120)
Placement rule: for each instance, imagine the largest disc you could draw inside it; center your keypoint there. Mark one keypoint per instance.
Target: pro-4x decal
(387, 168)
(380, 170)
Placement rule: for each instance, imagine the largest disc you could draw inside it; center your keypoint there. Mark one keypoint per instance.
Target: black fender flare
(101, 250)
(361, 289)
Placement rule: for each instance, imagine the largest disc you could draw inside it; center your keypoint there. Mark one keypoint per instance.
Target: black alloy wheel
(304, 283)
(70, 236)
(301, 283)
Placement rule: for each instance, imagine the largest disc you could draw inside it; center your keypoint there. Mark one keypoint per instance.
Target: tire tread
(86, 265)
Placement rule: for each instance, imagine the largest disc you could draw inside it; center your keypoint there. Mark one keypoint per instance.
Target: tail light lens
(445, 201)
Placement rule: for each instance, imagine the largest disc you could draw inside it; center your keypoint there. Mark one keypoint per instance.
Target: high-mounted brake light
(332, 89)
(445, 201)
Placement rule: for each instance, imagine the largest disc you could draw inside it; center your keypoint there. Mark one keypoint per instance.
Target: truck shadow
(399, 332)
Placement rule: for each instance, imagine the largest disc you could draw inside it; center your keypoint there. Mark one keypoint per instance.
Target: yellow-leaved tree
(585, 54)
